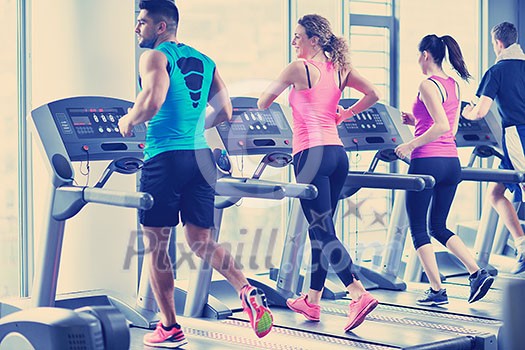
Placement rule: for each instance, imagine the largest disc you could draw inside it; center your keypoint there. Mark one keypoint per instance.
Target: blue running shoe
(433, 298)
(480, 283)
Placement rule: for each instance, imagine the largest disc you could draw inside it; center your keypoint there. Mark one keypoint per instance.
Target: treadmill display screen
(365, 122)
(253, 121)
(95, 122)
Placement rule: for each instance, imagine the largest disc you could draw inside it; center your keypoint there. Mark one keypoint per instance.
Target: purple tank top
(444, 146)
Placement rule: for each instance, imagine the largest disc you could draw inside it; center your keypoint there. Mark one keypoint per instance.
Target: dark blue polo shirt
(504, 82)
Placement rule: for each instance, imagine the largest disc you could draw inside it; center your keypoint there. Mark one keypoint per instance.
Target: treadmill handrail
(491, 175)
(356, 179)
(232, 189)
(243, 187)
(301, 191)
(138, 200)
(257, 188)
(69, 200)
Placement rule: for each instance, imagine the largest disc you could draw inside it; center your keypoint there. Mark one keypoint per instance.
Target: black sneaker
(433, 298)
(480, 282)
(519, 266)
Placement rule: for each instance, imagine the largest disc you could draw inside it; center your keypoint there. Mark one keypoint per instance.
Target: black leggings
(447, 172)
(325, 167)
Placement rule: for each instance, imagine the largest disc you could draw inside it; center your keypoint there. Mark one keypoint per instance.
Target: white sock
(520, 244)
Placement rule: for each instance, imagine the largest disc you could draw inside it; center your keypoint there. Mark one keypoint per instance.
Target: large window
(8, 157)
(244, 38)
(370, 47)
(365, 216)
(369, 7)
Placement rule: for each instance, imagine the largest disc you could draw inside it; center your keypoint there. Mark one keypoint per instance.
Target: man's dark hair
(505, 32)
(161, 10)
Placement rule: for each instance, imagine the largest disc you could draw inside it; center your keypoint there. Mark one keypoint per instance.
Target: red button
(487, 137)
(354, 140)
(241, 143)
(286, 142)
(394, 139)
(141, 145)
(85, 148)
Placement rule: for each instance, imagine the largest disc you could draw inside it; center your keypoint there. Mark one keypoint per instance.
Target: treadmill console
(255, 131)
(483, 131)
(376, 128)
(88, 128)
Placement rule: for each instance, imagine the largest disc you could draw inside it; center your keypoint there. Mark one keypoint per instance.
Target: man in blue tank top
(178, 83)
(504, 82)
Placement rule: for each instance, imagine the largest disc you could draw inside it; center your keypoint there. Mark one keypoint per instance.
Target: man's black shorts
(181, 181)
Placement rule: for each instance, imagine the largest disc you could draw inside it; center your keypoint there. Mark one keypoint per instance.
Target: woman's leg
(417, 204)
(444, 193)
(337, 180)
(321, 166)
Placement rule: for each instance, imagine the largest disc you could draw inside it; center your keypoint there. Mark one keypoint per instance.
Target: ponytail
(455, 57)
(337, 48)
(437, 48)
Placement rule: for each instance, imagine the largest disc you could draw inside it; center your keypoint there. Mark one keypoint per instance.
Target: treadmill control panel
(472, 133)
(92, 122)
(255, 131)
(367, 121)
(252, 121)
(373, 129)
(88, 128)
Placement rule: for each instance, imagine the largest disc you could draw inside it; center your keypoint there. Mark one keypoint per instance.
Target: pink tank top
(314, 111)
(444, 146)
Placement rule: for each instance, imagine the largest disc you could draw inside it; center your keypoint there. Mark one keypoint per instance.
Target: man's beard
(148, 44)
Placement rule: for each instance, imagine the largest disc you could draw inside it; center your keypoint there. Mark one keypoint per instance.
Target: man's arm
(155, 83)
(478, 111)
(219, 104)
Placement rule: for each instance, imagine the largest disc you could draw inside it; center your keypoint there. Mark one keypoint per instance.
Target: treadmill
(388, 327)
(363, 136)
(74, 130)
(486, 311)
(199, 296)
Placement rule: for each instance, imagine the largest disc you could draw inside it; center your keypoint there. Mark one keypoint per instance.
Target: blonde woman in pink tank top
(317, 78)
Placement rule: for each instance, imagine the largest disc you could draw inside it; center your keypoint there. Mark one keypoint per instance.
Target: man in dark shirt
(504, 82)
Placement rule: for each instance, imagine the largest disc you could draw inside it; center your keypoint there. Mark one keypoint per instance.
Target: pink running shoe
(359, 309)
(255, 305)
(165, 339)
(301, 305)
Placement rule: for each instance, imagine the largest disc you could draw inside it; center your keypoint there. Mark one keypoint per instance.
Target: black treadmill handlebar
(492, 175)
(356, 179)
(242, 187)
(230, 190)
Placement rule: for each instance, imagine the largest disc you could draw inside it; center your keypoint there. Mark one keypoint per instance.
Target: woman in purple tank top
(433, 152)
(317, 79)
